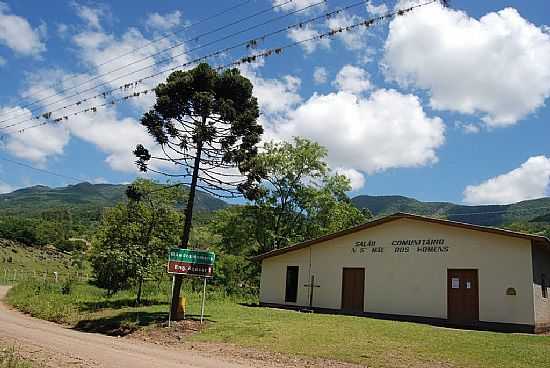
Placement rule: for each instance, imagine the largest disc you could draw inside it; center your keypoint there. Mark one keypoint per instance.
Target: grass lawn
(368, 341)
(19, 262)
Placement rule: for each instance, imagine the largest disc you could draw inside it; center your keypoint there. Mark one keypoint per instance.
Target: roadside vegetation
(9, 358)
(120, 238)
(236, 320)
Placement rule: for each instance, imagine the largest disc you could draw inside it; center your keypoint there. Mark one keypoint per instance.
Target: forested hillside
(527, 212)
(42, 215)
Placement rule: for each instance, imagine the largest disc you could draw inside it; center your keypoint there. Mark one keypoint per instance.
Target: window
(291, 291)
(544, 286)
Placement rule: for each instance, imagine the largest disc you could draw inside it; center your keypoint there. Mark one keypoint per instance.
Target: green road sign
(192, 262)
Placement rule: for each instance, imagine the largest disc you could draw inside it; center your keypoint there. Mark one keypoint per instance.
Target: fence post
(15, 275)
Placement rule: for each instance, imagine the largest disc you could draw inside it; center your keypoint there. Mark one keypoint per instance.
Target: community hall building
(415, 268)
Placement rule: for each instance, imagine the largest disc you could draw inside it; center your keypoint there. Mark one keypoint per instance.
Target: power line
(169, 58)
(134, 83)
(42, 170)
(247, 59)
(165, 187)
(147, 44)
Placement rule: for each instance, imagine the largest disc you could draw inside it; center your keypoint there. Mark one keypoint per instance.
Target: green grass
(375, 343)
(9, 358)
(19, 262)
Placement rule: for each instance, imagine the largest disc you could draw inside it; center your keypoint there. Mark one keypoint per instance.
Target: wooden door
(462, 296)
(353, 290)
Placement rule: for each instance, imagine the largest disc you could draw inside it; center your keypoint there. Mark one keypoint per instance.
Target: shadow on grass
(121, 324)
(125, 323)
(250, 305)
(117, 304)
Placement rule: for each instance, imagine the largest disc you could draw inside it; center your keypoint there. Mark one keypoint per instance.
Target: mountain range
(82, 195)
(85, 196)
(535, 210)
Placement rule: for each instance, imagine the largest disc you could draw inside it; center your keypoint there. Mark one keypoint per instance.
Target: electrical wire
(149, 43)
(199, 59)
(186, 52)
(247, 59)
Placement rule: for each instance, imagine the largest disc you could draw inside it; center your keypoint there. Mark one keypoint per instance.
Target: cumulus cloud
(114, 135)
(497, 66)
(320, 75)
(299, 4)
(468, 128)
(35, 144)
(275, 96)
(386, 130)
(377, 9)
(528, 181)
(355, 40)
(352, 79)
(356, 178)
(17, 33)
(92, 16)
(163, 22)
(306, 33)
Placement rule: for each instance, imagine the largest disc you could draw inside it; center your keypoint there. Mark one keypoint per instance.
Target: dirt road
(66, 347)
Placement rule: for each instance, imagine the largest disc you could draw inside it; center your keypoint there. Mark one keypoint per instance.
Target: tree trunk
(186, 228)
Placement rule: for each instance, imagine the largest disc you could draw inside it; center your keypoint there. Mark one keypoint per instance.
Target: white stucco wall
(412, 283)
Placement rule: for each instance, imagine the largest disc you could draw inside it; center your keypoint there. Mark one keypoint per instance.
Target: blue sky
(440, 105)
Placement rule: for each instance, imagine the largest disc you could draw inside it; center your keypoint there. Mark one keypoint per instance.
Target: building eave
(401, 215)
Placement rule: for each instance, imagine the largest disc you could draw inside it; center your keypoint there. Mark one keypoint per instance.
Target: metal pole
(203, 299)
(171, 294)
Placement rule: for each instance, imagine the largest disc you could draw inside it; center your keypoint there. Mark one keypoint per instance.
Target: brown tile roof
(400, 215)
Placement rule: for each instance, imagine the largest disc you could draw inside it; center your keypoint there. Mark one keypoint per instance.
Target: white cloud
(354, 40)
(320, 75)
(34, 144)
(305, 33)
(62, 30)
(17, 33)
(468, 128)
(356, 178)
(352, 79)
(275, 96)
(90, 15)
(497, 66)
(299, 4)
(386, 130)
(529, 181)
(2, 61)
(114, 135)
(163, 22)
(377, 9)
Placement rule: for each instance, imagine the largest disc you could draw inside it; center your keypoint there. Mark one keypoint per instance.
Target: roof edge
(397, 216)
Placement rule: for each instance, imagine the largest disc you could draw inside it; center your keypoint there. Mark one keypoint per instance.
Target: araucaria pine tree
(205, 123)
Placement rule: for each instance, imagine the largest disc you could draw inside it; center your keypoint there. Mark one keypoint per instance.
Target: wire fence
(15, 275)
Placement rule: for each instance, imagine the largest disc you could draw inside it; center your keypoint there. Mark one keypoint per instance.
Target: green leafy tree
(205, 124)
(300, 198)
(133, 238)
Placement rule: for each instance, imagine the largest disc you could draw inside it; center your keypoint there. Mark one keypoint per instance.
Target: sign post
(203, 299)
(171, 293)
(194, 263)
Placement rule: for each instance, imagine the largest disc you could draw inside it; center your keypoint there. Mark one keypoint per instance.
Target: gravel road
(63, 347)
